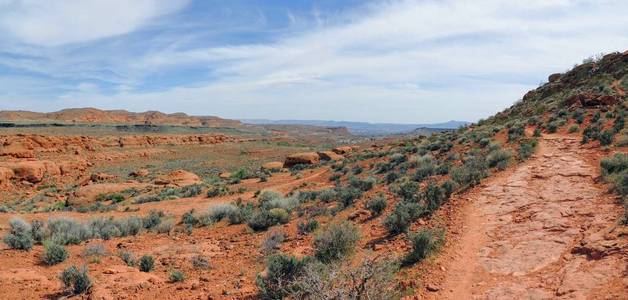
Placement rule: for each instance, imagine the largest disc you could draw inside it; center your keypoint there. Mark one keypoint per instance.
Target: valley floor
(545, 229)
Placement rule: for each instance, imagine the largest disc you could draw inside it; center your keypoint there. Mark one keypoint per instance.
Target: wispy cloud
(393, 61)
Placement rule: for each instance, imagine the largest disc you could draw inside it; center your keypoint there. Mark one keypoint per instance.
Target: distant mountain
(362, 128)
(98, 116)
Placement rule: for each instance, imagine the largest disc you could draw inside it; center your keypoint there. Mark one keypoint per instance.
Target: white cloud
(396, 61)
(59, 22)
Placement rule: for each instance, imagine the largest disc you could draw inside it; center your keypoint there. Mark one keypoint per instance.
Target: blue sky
(401, 61)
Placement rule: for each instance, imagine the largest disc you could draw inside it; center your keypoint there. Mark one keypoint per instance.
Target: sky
(398, 61)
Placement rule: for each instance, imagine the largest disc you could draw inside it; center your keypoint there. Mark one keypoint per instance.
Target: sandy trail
(544, 230)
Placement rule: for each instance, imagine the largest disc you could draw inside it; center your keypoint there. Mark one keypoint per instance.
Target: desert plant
(432, 197)
(347, 196)
(400, 219)
(606, 137)
(200, 262)
(147, 263)
(281, 272)
(372, 278)
(499, 158)
(424, 243)
(470, 174)
(327, 195)
(176, 276)
(53, 253)
(218, 190)
(362, 184)
(573, 128)
(307, 227)
(76, 279)
(335, 242)
(537, 132)
(273, 241)
(128, 258)
(377, 205)
(526, 148)
(20, 236)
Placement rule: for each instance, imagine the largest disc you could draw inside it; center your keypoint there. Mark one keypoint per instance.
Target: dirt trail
(544, 230)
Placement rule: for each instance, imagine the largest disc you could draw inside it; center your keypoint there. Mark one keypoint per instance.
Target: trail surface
(544, 230)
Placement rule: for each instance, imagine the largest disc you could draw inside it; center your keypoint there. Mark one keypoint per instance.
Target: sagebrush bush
(527, 148)
(573, 128)
(499, 158)
(76, 279)
(54, 253)
(218, 190)
(128, 258)
(281, 272)
(432, 197)
(377, 205)
(273, 241)
(424, 243)
(263, 219)
(469, 174)
(606, 137)
(362, 184)
(335, 242)
(327, 195)
(201, 262)
(308, 226)
(425, 167)
(346, 196)
(402, 217)
(176, 276)
(19, 236)
(147, 263)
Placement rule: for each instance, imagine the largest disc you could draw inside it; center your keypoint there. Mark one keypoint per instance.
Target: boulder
(343, 150)
(329, 155)
(178, 178)
(554, 77)
(591, 100)
(273, 165)
(224, 175)
(305, 158)
(34, 171)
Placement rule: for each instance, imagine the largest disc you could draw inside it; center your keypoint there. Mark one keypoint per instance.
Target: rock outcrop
(178, 178)
(304, 158)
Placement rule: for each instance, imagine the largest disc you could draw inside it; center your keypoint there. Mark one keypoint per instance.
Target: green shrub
(432, 197)
(425, 242)
(53, 253)
(424, 168)
(147, 263)
(470, 174)
(76, 280)
(335, 242)
(176, 276)
(357, 170)
(307, 227)
(281, 272)
(263, 219)
(362, 184)
(38, 231)
(499, 158)
(606, 138)
(552, 127)
(20, 236)
(537, 132)
(402, 217)
(377, 205)
(327, 195)
(219, 190)
(128, 258)
(152, 219)
(527, 148)
(347, 196)
(573, 128)
(448, 187)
